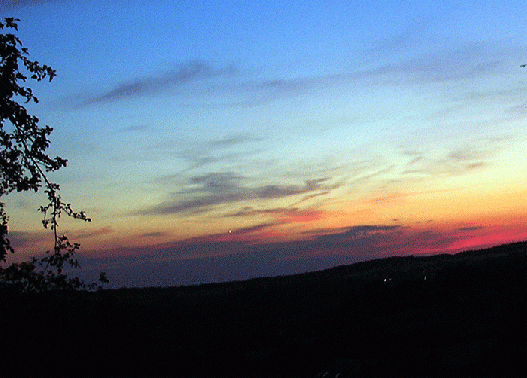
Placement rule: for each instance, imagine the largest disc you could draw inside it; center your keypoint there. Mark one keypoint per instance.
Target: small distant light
(230, 231)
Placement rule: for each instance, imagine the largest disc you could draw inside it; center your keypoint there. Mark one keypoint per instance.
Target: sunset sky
(224, 140)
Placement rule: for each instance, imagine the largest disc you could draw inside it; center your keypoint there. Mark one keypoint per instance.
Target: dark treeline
(446, 315)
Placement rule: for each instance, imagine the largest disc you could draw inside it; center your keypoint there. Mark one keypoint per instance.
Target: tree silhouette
(24, 166)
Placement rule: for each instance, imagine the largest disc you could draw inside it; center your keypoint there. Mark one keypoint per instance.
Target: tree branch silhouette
(24, 167)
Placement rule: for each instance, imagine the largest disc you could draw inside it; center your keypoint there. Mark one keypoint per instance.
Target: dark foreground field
(414, 316)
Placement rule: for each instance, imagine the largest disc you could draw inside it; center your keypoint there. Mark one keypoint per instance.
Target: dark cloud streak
(223, 188)
(186, 73)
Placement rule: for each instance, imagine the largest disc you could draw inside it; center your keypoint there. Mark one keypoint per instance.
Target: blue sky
(262, 123)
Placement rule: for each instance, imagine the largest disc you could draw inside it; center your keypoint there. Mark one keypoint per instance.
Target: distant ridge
(430, 261)
(375, 269)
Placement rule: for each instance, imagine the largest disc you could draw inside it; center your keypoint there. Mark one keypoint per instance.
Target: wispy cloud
(350, 232)
(233, 86)
(15, 4)
(162, 82)
(153, 235)
(212, 189)
(202, 153)
(406, 41)
(457, 162)
(233, 140)
(288, 212)
(518, 111)
(85, 234)
(206, 192)
(469, 61)
(252, 229)
(133, 128)
(470, 228)
(23, 240)
(217, 183)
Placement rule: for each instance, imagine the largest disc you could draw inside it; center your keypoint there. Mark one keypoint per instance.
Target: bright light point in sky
(219, 140)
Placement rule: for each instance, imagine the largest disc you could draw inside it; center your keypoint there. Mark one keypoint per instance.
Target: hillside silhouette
(443, 315)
